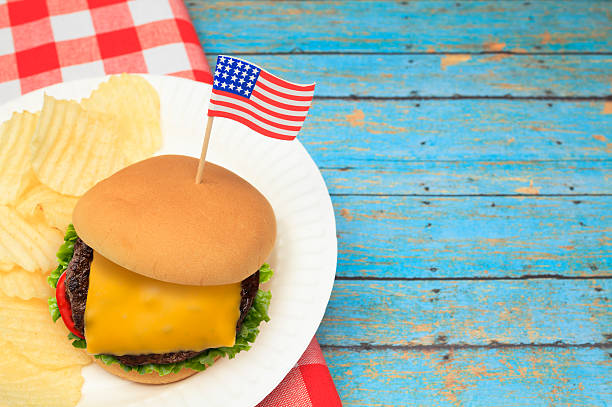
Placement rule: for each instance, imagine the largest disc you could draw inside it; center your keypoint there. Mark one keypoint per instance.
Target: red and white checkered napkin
(43, 42)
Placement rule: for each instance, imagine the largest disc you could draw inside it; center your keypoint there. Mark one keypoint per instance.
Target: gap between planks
(591, 98)
(363, 347)
(476, 278)
(298, 51)
(472, 195)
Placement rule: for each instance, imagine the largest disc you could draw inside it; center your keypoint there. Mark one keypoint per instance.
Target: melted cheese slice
(127, 313)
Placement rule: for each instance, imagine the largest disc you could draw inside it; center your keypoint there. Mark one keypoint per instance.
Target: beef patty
(77, 284)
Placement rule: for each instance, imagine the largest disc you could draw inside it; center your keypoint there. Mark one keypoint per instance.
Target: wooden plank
(471, 177)
(523, 377)
(407, 26)
(444, 75)
(451, 237)
(473, 312)
(349, 133)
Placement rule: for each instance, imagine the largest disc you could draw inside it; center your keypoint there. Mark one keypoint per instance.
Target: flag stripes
(266, 103)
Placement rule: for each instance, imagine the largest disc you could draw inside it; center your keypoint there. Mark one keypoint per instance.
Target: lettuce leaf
(64, 255)
(76, 341)
(247, 335)
(53, 308)
(265, 273)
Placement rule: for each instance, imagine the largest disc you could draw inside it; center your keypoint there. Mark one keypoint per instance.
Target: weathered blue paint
(519, 377)
(456, 150)
(408, 313)
(444, 75)
(401, 26)
(349, 133)
(450, 237)
(568, 177)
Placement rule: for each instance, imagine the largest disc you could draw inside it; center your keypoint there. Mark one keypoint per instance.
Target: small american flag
(266, 103)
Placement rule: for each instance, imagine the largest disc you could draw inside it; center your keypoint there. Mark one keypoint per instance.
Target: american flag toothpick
(269, 105)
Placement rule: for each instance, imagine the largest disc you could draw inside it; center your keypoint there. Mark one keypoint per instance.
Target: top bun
(153, 219)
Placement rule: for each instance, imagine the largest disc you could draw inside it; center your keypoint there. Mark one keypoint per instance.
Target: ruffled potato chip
(24, 284)
(31, 246)
(72, 149)
(28, 326)
(24, 382)
(54, 207)
(15, 136)
(134, 103)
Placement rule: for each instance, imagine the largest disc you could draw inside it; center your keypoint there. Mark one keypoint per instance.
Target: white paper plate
(304, 257)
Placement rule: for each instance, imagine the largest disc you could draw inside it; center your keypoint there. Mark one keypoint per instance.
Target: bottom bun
(147, 378)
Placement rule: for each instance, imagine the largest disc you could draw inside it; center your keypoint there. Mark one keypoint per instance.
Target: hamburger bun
(153, 219)
(147, 378)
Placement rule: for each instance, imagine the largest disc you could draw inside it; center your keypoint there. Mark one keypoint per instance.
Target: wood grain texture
(401, 26)
(454, 237)
(519, 377)
(416, 313)
(425, 178)
(442, 75)
(483, 110)
(351, 133)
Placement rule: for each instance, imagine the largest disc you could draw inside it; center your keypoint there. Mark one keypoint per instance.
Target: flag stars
(235, 76)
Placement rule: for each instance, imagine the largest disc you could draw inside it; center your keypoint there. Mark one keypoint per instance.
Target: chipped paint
(494, 46)
(496, 57)
(607, 108)
(356, 118)
(514, 86)
(600, 137)
(346, 214)
(453, 59)
(530, 190)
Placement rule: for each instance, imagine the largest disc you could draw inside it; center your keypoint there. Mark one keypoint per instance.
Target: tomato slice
(64, 305)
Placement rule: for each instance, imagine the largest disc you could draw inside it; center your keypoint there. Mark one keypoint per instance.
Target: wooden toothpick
(200, 174)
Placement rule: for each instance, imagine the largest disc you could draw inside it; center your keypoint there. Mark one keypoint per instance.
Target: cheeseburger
(160, 276)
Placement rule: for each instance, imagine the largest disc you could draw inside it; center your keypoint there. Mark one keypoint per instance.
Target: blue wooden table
(467, 149)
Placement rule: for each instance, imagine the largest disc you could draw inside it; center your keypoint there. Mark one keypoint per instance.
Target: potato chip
(53, 206)
(15, 136)
(72, 150)
(134, 102)
(24, 284)
(24, 383)
(30, 246)
(28, 326)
